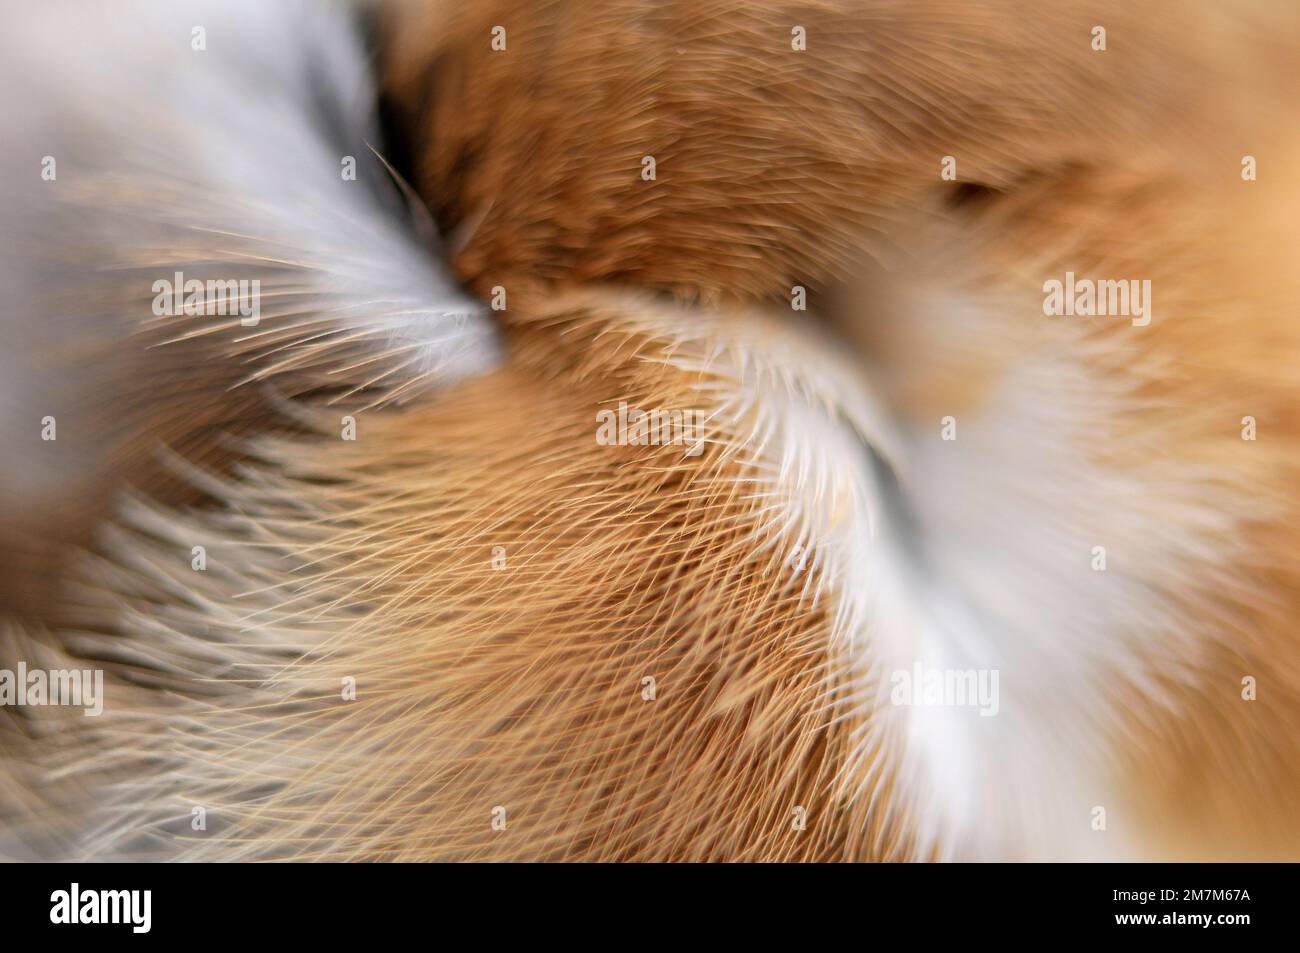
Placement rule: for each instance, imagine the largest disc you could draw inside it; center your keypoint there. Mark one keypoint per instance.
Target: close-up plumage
(737, 430)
